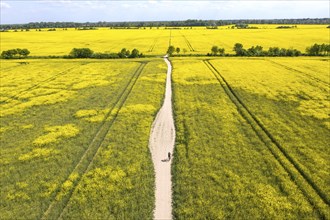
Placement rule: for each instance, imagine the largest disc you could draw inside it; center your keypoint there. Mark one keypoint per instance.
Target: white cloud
(4, 5)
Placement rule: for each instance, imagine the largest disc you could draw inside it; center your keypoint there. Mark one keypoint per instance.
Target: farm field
(251, 141)
(252, 134)
(75, 131)
(155, 41)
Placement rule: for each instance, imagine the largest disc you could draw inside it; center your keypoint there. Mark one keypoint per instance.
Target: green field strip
(37, 85)
(56, 208)
(310, 189)
(300, 72)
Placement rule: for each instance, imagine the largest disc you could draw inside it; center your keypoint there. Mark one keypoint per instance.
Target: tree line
(15, 53)
(314, 50)
(75, 53)
(185, 23)
(88, 53)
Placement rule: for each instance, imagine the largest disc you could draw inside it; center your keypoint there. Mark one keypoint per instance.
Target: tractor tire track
(300, 72)
(19, 64)
(188, 43)
(16, 96)
(3, 75)
(153, 45)
(57, 206)
(296, 173)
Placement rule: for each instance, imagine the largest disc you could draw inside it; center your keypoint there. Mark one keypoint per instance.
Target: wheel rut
(300, 72)
(304, 182)
(188, 43)
(35, 86)
(58, 205)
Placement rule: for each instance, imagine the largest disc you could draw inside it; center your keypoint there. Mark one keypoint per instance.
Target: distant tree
(255, 51)
(282, 52)
(318, 49)
(187, 23)
(177, 50)
(221, 51)
(127, 53)
(327, 49)
(184, 50)
(81, 53)
(273, 51)
(18, 51)
(15, 53)
(214, 50)
(135, 53)
(105, 55)
(238, 48)
(124, 53)
(314, 50)
(8, 54)
(289, 52)
(241, 26)
(297, 52)
(258, 50)
(170, 50)
(292, 52)
(24, 52)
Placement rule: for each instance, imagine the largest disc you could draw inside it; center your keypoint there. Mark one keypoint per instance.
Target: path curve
(161, 142)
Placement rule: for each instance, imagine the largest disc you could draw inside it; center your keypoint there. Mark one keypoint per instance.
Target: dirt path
(161, 142)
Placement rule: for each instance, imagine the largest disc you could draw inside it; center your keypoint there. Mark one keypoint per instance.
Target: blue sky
(13, 11)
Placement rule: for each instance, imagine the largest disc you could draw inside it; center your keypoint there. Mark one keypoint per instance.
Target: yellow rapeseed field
(252, 134)
(197, 40)
(68, 127)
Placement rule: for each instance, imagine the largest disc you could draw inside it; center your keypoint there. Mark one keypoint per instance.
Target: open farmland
(251, 141)
(252, 134)
(197, 40)
(73, 132)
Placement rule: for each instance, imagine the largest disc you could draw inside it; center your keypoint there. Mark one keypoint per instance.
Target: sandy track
(161, 142)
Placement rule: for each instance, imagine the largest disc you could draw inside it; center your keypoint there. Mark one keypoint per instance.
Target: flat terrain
(197, 40)
(252, 134)
(73, 132)
(251, 141)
